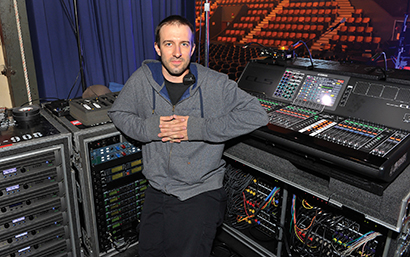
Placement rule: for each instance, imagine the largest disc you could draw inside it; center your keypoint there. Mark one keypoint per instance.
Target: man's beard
(174, 73)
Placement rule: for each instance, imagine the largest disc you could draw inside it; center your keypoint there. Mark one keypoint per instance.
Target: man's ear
(193, 49)
(157, 49)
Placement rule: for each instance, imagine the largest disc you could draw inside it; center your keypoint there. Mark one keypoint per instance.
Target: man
(183, 127)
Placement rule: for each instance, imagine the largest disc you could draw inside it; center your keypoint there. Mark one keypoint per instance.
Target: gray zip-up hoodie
(218, 111)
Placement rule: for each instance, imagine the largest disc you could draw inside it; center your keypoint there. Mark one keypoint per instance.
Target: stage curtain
(116, 36)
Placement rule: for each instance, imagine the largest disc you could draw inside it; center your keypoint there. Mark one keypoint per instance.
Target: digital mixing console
(351, 122)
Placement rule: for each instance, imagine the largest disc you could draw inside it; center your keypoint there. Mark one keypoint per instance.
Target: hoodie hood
(155, 67)
(154, 70)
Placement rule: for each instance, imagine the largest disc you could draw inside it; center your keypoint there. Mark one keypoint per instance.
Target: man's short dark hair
(173, 20)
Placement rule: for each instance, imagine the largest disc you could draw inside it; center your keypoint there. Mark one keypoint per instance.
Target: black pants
(173, 228)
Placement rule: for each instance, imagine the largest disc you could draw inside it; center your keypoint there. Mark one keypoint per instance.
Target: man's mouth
(176, 62)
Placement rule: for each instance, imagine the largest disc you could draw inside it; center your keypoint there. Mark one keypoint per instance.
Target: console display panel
(321, 90)
(294, 86)
(311, 87)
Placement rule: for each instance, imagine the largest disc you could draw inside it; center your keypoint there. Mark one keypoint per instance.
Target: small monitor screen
(311, 87)
(320, 90)
(294, 85)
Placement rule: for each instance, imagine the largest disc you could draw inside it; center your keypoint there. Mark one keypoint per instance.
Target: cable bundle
(252, 204)
(122, 246)
(360, 242)
(317, 232)
(235, 183)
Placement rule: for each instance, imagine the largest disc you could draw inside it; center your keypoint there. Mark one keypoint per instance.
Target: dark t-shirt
(175, 90)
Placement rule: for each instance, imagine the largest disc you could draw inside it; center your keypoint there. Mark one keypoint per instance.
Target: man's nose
(177, 52)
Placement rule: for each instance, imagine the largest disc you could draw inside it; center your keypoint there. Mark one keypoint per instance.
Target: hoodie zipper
(170, 150)
(173, 112)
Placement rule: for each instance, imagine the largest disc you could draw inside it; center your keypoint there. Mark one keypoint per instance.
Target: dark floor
(219, 251)
(131, 252)
(224, 246)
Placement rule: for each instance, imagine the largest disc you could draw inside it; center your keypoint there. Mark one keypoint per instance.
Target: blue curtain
(115, 35)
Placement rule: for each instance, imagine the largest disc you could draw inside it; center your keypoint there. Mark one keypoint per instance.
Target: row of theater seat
(227, 39)
(311, 4)
(278, 21)
(337, 43)
(244, 25)
(369, 42)
(262, 6)
(230, 59)
(307, 12)
(251, 19)
(355, 30)
(282, 42)
(237, 33)
(256, 12)
(298, 19)
(241, 2)
(285, 35)
(357, 21)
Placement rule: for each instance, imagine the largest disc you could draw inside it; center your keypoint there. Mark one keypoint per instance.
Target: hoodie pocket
(194, 164)
(155, 166)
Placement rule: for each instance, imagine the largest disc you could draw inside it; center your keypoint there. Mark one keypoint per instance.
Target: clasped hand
(173, 128)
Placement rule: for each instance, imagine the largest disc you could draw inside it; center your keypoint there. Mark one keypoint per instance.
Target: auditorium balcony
(339, 30)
